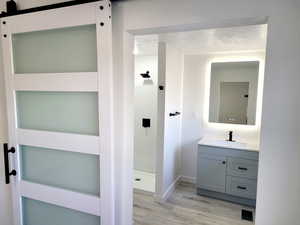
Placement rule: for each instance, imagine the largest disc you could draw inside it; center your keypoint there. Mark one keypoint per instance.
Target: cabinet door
(211, 172)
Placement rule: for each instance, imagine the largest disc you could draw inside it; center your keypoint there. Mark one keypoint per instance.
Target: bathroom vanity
(227, 170)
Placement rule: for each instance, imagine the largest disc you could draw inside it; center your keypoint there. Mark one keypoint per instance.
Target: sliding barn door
(59, 102)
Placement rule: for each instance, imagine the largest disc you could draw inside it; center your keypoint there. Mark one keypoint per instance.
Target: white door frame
(98, 13)
(128, 111)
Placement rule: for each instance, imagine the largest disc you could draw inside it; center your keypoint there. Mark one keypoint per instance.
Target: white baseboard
(172, 187)
(187, 179)
(169, 191)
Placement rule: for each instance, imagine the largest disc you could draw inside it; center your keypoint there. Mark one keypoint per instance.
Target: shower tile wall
(145, 107)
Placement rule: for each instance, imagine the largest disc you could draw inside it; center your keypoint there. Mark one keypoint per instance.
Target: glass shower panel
(41, 213)
(71, 112)
(63, 169)
(71, 49)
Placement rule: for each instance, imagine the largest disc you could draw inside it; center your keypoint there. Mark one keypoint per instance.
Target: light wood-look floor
(185, 207)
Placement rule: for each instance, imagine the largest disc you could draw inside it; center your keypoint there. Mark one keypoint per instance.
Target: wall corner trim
(169, 191)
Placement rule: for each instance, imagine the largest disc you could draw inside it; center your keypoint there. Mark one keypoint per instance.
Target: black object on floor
(137, 179)
(247, 215)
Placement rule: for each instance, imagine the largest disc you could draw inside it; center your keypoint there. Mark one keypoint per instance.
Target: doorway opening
(146, 104)
(187, 175)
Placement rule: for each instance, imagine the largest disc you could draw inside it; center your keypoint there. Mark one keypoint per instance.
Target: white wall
(278, 183)
(172, 130)
(145, 107)
(192, 113)
(170, 63)
(195, 108)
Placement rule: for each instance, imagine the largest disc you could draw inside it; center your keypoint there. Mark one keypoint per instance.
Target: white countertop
(209, 141)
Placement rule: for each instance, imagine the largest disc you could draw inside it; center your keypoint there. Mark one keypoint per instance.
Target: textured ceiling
(247, 38)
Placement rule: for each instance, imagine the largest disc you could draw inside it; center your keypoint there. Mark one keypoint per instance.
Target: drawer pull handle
(243, 168)
(241, 187)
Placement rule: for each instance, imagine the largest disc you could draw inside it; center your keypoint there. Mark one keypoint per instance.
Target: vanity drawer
(241, 187)
(242, 168)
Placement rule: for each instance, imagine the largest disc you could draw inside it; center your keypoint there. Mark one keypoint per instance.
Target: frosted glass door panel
(71, 112)
(72, 49)
(41, 213)
(68, 170)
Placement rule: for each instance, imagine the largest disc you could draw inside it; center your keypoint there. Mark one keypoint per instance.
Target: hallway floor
(184, 207)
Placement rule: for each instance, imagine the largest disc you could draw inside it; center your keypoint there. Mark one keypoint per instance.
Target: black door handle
(6, 163)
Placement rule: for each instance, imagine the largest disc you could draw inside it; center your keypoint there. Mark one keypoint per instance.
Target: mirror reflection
(233, 92)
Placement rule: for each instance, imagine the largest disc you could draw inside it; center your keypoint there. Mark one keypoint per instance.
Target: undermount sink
(227, 144)
(231, 144)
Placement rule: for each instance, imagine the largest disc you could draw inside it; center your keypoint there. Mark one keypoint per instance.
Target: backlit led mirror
(233, 92)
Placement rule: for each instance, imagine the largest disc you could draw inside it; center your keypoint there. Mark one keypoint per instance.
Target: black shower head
(145, 75)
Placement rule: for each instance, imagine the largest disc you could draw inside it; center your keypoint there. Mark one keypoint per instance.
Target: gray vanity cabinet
(212, 172)
(228, 174)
